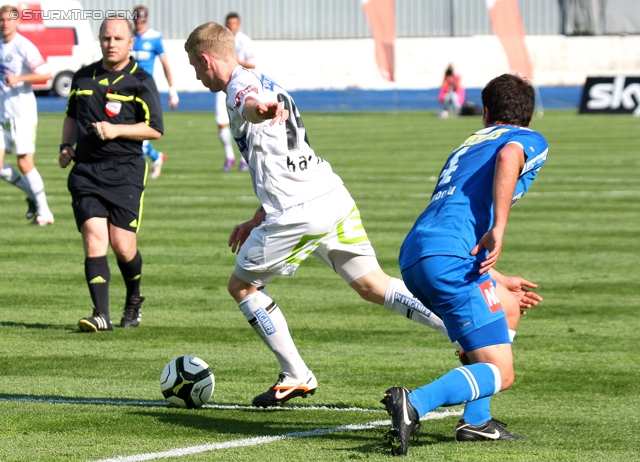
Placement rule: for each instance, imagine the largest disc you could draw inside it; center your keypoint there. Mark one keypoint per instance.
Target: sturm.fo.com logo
(73, 15)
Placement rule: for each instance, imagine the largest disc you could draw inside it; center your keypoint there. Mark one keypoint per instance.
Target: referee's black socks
(96, 270)
(132, 273)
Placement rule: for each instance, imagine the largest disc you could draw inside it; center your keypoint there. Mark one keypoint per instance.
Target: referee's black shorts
(113, 189)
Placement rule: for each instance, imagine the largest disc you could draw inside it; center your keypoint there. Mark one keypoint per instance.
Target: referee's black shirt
(127, 96)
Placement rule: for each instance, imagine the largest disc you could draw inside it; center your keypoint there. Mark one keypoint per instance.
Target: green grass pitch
(71, 396)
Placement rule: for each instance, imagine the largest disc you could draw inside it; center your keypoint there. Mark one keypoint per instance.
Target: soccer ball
(187, 382)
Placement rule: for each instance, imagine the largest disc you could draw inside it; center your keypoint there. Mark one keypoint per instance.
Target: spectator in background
(21, 65)
(146, 46)
(452, 93)
(245, 56)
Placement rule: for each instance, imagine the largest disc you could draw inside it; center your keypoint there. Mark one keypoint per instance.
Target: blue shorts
(466, 300)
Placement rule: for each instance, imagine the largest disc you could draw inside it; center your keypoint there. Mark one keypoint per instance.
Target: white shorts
(18, 135)
(222, 117)
(328, 227)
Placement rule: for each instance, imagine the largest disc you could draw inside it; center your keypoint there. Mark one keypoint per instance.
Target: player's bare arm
(509, 164)
(13, 79)
(135, 132)
(174, 100)
(257, 112)
(69, 130)
(241, 232)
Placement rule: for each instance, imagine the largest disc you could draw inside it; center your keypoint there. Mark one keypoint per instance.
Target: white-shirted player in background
(246, 58)
(146, 46)
(21, 64)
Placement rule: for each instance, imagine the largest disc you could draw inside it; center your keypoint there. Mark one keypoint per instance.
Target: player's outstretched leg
(404, 420)
(295, 380)
(399, 299)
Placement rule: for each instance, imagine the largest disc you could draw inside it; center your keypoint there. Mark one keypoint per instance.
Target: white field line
(179, 452)
(115, 402)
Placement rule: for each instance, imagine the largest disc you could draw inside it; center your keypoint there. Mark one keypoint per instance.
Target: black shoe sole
(272, 402)
(86, 326)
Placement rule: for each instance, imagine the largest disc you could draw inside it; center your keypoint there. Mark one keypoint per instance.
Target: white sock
(269, 322)
(225, 137)
(10, 174)
(512, 335)
(37, 186)
(399, 299)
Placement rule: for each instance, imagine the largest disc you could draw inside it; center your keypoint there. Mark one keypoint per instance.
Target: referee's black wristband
(64, 145)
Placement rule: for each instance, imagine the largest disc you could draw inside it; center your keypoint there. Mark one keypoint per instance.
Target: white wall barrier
(421, 62)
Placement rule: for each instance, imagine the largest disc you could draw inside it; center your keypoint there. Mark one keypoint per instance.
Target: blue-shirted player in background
(146, 46)
(447, 259)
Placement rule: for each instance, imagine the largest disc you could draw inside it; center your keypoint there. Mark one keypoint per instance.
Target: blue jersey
(146, 47)
(461, 208)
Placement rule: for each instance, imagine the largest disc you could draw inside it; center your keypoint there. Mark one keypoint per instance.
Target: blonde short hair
(8, 9)
(211, 38)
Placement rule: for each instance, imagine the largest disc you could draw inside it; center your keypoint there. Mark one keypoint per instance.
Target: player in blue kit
(147, 46)
(447, 262)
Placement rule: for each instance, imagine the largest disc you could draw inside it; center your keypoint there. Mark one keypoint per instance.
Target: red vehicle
(61, 31)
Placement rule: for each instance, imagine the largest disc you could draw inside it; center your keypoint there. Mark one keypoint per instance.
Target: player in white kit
(21, 64)
(246, 58)
(305, 210)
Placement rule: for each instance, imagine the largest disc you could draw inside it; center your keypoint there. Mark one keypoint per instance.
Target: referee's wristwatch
(64, 145)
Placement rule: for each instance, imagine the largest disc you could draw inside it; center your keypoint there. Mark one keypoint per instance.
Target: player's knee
(507, 376)
(239, 289)
(372, 286)
(233, 286)
(367, 292)
(124, 252)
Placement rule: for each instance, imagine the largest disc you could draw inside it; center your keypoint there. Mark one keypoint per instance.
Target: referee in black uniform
(113, 106)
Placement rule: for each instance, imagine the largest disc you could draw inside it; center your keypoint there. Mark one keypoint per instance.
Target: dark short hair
(139, 8)
(232, 15)
(510, 100)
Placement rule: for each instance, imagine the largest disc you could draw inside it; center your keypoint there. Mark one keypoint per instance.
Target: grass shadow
(37, 326)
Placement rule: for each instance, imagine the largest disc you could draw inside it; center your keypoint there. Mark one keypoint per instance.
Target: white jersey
(285, 171)
(244, 48)
(244, 52)
(19, 56)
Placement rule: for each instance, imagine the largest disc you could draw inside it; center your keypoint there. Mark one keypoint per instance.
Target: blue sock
(150, 151)
(477, 412)
(458, 386)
